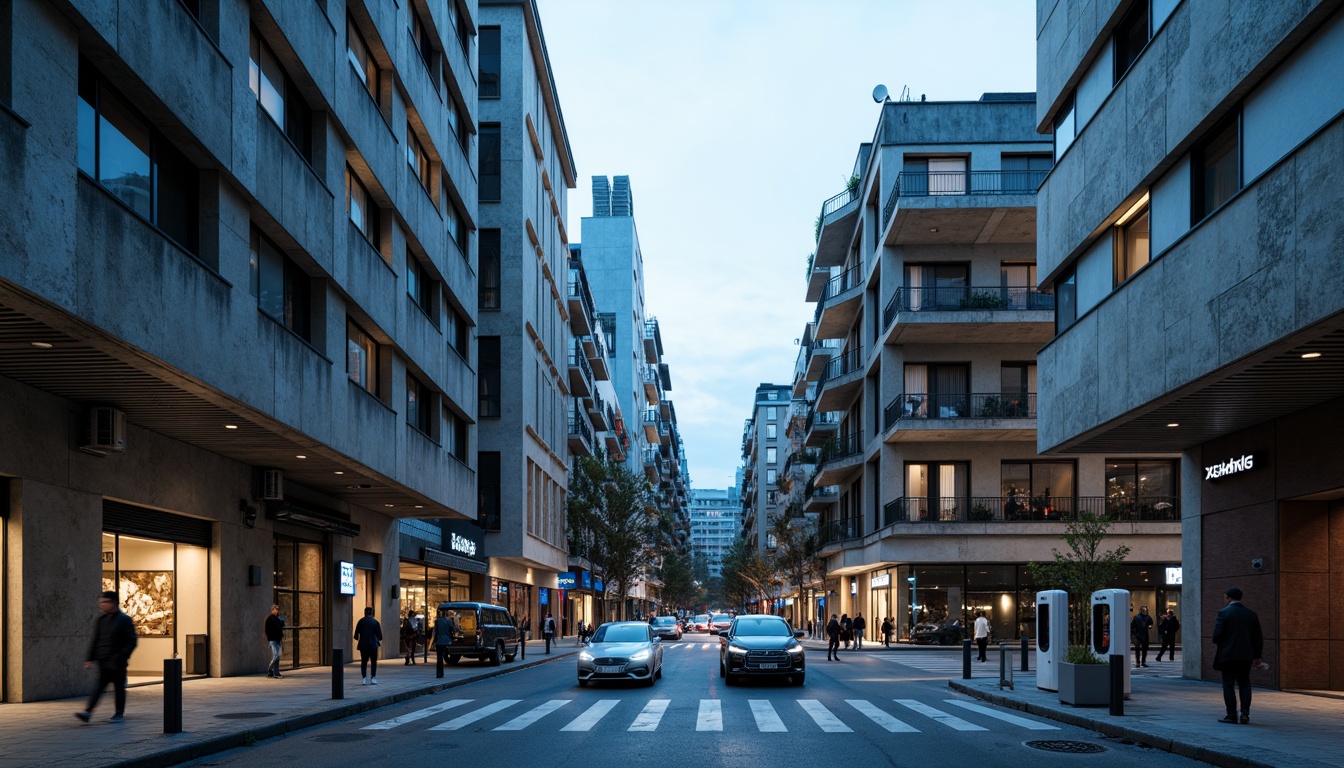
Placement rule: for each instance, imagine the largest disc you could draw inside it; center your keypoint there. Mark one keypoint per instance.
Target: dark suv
(761, 645)
(484, 632)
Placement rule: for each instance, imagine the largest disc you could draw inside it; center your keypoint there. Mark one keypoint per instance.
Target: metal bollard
(1005, 667)
(1025, 660)
(966, 659)
(1118, 665)
(172, 695)
(338, 673)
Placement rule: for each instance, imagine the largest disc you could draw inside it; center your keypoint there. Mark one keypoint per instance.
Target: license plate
(610, 670)
(769, 666)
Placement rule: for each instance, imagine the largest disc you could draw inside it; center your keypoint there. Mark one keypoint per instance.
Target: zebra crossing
(688, 645)
(946, 663)
(569, 715)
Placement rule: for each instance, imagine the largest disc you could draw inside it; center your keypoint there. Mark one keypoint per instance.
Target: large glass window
(357, 52)
(419, 161)
(164, 587)
(1216, 175)
(419, 406)
(423, 39)
(489, 149)
(419, 286)
(1037, 490)
(455, 436)
(936, 491)
(488, 496)
(488, 363)
(1066, 301)
(138, 166)
(457, 228)
(936, 286)
(1142, 489)
(279, 97)
(459, 333)
(936, 391)
(1065, 126)
(489, 63)
(1132, 241)
(993, 589)
(300, 591)
(1131, 36)
(1024, 173)
(283, 290)
(363, 212)
(361, 357)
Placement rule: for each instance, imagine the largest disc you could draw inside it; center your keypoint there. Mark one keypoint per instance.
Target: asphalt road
(873, 709)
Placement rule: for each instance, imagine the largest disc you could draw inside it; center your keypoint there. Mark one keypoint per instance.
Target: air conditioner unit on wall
(104, 431)
(272, 484)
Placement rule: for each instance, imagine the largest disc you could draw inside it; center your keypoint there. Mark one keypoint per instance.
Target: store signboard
(880, 580)
(566, 580)
(543, 596)
(597, 585)
(347, 578)
(587, 580)
(1174, 576)
(854, 587)
(463, 538)
(1229, 467)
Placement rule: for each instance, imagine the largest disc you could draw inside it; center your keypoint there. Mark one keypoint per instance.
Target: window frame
(296, 123)
(420, 406)
(371, 366)
(488, 89)
(295, 287)
(370, 212)
(1200, 208)
(488, 365)
(1065, 124)
(422, 165)
(489, 140)
(1139, 11)
(1120, 241)
(420, 285)
(368, 70)
(489, 295)
(423, 42)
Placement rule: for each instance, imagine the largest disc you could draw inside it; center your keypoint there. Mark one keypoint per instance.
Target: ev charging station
(1052, 636)
(1110, 626)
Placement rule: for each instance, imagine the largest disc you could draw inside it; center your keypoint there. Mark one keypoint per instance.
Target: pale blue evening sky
(734, 120)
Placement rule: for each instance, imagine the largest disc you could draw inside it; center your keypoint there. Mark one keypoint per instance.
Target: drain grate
(1067, 747)
(340, 737)
(243, 715)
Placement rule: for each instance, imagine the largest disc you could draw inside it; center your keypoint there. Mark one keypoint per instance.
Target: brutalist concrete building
(1191, 233)
(237, 293)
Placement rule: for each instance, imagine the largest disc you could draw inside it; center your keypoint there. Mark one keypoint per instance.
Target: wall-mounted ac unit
(104, 431)
(272, 484)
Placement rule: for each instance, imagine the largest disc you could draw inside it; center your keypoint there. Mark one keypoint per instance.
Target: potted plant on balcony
(981, 512)
(1084, 680)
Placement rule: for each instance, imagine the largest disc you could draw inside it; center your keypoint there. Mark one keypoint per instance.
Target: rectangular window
(424, 41)
(1216, 174)
(937, 391)
(771, 432)
(279, 97)
(419, 286)
(359, 57)
(771, 475)
(489, 63)
(488, 363)
(1131, 36)
(1064, 127)
(489, 149)
(1017, 378)
(363, 212)
(489, 277)
(1143, 489)
(283, 291)
(419, 160)
(455, 436)
(935, 492)
(1131, 241)
(455, 123)
(936, 286)
(487, 489)
(771, 413)
(419, 406)
(459, 29)
(1024, 173)
(1036, 490)
(771, 455)
(134, 163)
(1066, 301)
(459, 333)
(457, 228)
(361, 357)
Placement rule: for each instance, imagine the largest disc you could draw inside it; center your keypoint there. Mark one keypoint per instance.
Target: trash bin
(198, 655)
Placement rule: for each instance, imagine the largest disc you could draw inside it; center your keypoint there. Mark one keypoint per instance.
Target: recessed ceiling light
(933, 229)
(300, 456)
(1174, 424)
(42, 344)
(419, 506)
(230, 426)
(1311, 355)
(389, 505)
(340, 472)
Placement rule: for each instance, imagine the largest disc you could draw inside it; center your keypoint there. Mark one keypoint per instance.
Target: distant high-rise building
(714, 525)
(764, 451)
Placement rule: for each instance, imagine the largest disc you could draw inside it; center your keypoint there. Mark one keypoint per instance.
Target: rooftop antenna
(880, 94)
(905, 93)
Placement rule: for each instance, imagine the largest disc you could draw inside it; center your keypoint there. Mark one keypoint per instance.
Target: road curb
(1183, 748)
(181, 753)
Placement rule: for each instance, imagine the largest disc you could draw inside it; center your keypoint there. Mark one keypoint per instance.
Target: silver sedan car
(622, 650)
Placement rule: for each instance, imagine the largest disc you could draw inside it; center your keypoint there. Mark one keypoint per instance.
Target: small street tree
(747, 576)
(679, 582)
(796, 551)
(609, 509)
(1084, 569)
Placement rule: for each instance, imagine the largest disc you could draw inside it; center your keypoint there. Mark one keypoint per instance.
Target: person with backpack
(833, 632)
(548, 630)
(408, 638)
(886, 633)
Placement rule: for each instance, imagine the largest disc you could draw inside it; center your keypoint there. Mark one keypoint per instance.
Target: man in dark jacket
(1240, 646)
(833, 630)
(1139, 630)
(275, 637)
(444, 629)
(1167, 628)
(113, 642)
(368, 637)
(860, 624)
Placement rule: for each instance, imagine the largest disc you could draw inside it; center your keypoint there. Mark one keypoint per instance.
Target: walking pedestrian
(111, 648)
(548, 630)
(886, 632)
(522, 637)
(1167, 629)
(368, 636)
(846, 629)
(444, 629)
(860, 624)
(408, 638)
(981, 634)
(275, 636)
(833, 630)
(1139, 629)
(1240, 647)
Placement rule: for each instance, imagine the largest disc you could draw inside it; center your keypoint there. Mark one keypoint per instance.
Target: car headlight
(797, 650)
(585, 656)
(639, 656)
(737, 649)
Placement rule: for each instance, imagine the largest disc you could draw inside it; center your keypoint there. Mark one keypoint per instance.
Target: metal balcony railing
(823, 418)
(578, 288)
(962, 298)
(837, 285)
(835, 531)
(925, 183)
(836, 202)
(841, 365)
(578, 425)
(842, 447)
(960, 406)
(578, 359)
(1012, 509)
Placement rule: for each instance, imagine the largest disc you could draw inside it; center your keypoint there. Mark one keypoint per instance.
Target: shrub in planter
(1084, 679)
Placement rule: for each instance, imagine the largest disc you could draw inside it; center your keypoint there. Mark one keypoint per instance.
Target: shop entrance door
(300, 591)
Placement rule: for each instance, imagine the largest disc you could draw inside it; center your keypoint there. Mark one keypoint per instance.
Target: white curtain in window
(914, 282)
(916, 390)
(947, 176)
(947, 489)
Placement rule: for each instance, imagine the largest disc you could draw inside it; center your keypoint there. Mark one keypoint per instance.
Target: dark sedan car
(761, 645)
(937, 634)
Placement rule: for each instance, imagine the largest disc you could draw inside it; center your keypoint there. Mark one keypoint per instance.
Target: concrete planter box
(1085, 685)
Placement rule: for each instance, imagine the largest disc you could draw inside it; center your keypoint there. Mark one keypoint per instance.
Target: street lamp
(914, 605)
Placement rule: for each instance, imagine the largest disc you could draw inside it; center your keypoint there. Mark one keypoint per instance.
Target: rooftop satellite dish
(880, 93)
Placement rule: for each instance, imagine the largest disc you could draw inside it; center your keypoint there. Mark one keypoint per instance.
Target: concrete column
(1192, 566)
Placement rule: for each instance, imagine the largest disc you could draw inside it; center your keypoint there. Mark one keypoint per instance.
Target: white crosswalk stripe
(592, 716)
(471, 717)
(527, 718)
(419, 714)
(705, 647)
(823, 717)
(710, 717)
(1032, 725)
(951, 721)
(767, 719)
(652, 715)
(881, 718)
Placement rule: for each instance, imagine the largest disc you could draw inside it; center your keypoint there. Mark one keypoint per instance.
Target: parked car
(942, 633)
(666, 628)
(485, 632)
(622, 650)
(761, 645)
(720, 622)
(701, 623)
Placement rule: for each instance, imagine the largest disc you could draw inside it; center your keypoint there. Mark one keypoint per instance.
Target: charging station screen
(1043, 626)
(1101, 628)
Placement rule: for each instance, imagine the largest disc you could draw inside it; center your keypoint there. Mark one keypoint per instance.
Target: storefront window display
(164, 587)
(514, 596)
(301, 593)
(423, 587)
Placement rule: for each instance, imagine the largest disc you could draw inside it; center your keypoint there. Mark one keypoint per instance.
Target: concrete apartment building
(764, 451)
(236, 297)
(714, 514)
(932, 496)
(1191, 233)
(524, 336)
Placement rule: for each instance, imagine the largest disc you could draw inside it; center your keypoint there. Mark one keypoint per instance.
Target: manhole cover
(340, 737)
(243, 715)
(1067, 747)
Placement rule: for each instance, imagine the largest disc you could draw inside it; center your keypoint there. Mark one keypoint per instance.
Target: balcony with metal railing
(1029, 509)
(961, 207)
(835, 224)
(833, 533)
(650, 423)
(817, 498)
(599, 411)
(653, 386)
(840, 304)
(840, 380)
(580, 372)
(821, 426)
(653, 341)
(594, 345)
(960, 416)
(581, 309)
(969, 314)
(580, 433)
(841, 459)
(653, 465)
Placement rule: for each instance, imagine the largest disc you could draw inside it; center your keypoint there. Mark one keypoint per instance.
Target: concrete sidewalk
(1181, 716)
(223, 713)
